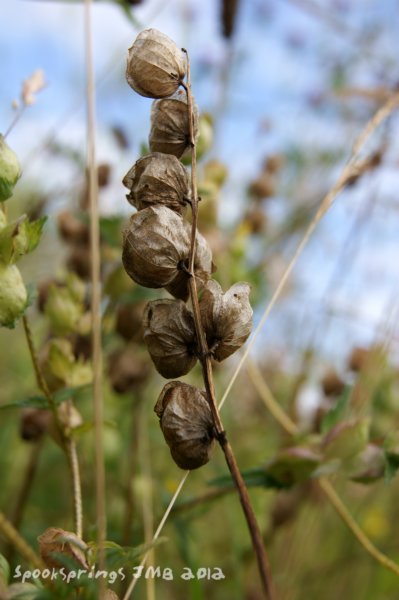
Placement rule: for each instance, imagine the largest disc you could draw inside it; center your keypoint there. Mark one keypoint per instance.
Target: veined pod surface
(156, 249)
(226, 317)
(157, 179)
(155, 65)
(169, 335)
(170, 125)
(187, 424)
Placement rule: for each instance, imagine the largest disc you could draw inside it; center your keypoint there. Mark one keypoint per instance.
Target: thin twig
(350, 169)
(15, 538)
(290, 427)
(205, 359)
(77, 491)
(95, 298)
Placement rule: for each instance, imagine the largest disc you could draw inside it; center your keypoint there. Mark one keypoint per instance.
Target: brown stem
(13, 536)
(256, 536)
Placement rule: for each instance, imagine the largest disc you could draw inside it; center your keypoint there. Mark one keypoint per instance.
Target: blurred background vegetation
(283, 88)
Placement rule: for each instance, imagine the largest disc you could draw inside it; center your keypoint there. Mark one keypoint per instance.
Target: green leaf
(4, 572)
(337, 412)
(391, 465)
(31, 402)
(111, 230)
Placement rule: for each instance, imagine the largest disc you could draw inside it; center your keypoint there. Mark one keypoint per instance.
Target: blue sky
(278, 97)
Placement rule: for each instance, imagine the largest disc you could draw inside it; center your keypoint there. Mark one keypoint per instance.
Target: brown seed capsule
(157, 179)
(332, 383)
(34, 423)
(186, 422)
(72, 230)
(127, 369)
(129, 321)
(359, 358)
(54, 543)
(169, 335)
(170, 126)
(155, 65)
(227, 318)
(79, 261)
(156, 248)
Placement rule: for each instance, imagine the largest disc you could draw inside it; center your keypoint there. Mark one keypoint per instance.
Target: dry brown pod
(34, 423)
(72, 229)
(129, 321)
(127, 369)
(186, 422)
(55, 543)
(332, 383)
(158, 179)
(156, 248)
(169, 132)
(169, 335)
(226, 317)
(155, 65)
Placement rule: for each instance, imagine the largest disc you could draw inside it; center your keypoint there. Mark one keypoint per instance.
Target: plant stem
(14, 537)
(292, 428)
(96, 299)
(205, 359)
(67, 444)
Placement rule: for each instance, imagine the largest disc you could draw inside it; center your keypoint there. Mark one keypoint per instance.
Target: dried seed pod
(169, 334)
(129, 321)
(34, 423)
(155, 65)
(170, 126)
(157, 179)
(227, 318)
(332, 383)
(186, 422)
(56, 541)
(72, 229)
(79, 261)
(127, 369)
(156, 246)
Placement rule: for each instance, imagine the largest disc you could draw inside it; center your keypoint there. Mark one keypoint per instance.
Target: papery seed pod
(169, 335)
(170, 126)
(186, 422)
(72, 229)
(226, 318)
(359, 358)
(79, 261)
(332, 383)
(129, 321)
(203, 267)
(34, 423)
(156, 245)
(155, 65)
(157, 179)
(127, 369)
(56, 541)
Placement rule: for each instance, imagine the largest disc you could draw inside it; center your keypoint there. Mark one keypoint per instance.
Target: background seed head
(186, 422)
(169, 132)
(169, 335)
(226, 317)
(157, 179)
(155, 65)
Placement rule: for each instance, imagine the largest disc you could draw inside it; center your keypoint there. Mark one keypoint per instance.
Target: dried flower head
(169, 335)
(156, 248)
(127, 369)
(157, 179)
(227, 318)
(34, 423)
(170, 125)
(155, 66)
(55, 543)
(186, 422)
